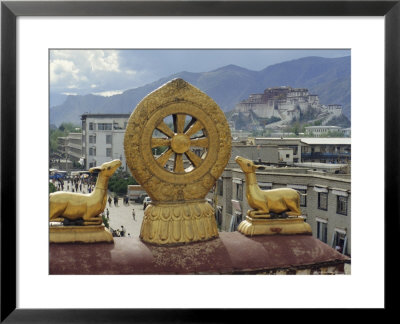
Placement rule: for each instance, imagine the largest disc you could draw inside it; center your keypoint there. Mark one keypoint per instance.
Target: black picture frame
(10, 10)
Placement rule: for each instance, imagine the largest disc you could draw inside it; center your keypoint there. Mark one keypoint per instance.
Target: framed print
(370, 29)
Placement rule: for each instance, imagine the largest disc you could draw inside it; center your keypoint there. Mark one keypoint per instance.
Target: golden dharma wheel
(177, 144)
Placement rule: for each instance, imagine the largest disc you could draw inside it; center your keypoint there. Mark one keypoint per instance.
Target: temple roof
(230, 253)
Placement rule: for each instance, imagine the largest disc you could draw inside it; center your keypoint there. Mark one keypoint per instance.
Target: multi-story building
(319, 131)
(326, 150)
(71, 146)
(325, 200)
(103, 138)
(323, 150)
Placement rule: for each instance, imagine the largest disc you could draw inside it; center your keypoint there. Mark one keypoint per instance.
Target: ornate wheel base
(267, 226)
(80, 234)
(177, 223)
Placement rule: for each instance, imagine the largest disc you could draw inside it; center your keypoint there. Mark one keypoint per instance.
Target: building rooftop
(319, 127)
(230, 253)
(320, 165)
(327, 140)
(310, 140)
(84, 116)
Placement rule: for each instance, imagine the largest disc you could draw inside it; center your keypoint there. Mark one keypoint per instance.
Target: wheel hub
(180, 143)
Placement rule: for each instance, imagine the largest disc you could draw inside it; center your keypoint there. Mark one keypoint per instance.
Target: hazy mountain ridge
(329, 78)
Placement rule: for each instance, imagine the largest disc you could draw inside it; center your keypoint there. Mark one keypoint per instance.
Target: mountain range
(329, 78)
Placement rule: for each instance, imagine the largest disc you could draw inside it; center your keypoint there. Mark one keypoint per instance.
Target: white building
(103, 138)
(322, 130)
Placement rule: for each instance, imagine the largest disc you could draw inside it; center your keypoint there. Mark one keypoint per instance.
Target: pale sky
(107, 72)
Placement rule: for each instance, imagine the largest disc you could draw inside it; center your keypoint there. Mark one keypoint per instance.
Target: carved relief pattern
(169, 224)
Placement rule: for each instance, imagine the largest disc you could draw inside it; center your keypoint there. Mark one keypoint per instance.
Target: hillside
(228, 85)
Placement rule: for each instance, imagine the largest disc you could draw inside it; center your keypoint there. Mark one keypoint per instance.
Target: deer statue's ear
(260, 167)
(95, 169)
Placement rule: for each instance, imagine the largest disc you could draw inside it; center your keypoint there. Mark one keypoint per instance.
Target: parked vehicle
(146, 202)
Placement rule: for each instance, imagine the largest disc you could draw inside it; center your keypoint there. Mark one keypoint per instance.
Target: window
(287, 156)
(104, 126)
(339, 240)
(108, 139)
(218, 215)
(303, 197)
(235, 221)
(220, 187)
(92, 151)
(108, 152)
(341, 205)
(323, 200)
(239, 191)
(92, 139)
(322, 231)
(91, 127)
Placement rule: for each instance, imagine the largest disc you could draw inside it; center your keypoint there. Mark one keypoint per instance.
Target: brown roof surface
(231, 253)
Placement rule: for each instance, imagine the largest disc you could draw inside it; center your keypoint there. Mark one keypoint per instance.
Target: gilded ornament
(282, 201)
(177, 143)
(84, 209)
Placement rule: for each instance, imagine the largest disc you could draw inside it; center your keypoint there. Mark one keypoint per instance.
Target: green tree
(119, 182)
(105, 221)
(52, 187)
(63, 130)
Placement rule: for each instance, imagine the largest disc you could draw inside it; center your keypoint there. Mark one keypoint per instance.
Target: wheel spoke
(192, 121)
(195, 159)
(197, 126)
(179, 163)
(163, 127)
(156, 142)
(163, 159)
(199, 142)
(179, 123)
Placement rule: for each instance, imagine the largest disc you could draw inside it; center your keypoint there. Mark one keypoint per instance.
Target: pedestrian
(115, 201)
(109, 200)
(122, 231)
(133, 215)
(108, 214)
(129, 234)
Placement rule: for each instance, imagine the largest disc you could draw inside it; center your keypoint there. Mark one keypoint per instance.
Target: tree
(119, 182)
(52, 187)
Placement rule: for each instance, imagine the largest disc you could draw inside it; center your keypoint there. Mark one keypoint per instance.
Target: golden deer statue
(265, 201)
(86, 207)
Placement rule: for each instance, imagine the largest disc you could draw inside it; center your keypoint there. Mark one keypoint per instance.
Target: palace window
(239, 191)
(104, 126)
(323, 200)
(108, 139)
(220, 187)
(322, 230)
(341, 205)
(92, 139)
(303, 197)
(92, 151)
(91, 126)
(108, 151)
(339, 240)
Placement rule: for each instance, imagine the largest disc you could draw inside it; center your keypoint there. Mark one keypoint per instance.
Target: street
(120, 215)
